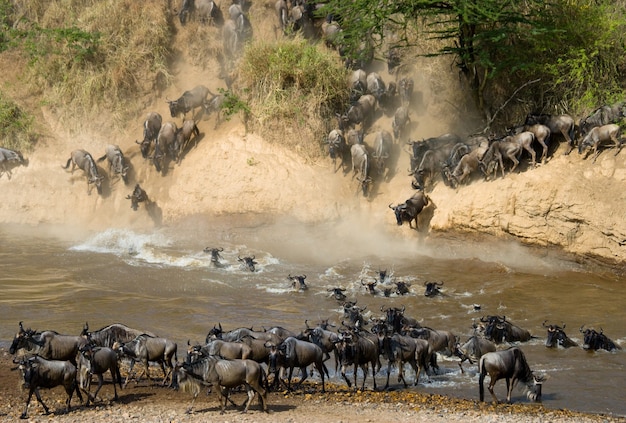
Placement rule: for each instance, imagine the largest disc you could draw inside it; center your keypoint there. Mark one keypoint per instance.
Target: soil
(148, 401)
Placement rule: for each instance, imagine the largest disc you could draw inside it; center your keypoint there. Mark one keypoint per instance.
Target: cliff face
(569, 202)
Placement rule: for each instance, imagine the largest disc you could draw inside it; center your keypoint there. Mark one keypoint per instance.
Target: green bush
(16, 127)
(294, 89)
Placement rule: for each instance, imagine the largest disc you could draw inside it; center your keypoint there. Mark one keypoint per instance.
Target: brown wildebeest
(560, 124)
(600, 135)
(83, 160)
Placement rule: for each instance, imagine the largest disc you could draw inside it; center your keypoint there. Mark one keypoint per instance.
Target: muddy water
(163, 282)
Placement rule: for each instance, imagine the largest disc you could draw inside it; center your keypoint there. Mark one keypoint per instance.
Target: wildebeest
(440, 147)
(600, 135)
(603, 115)
(499, 148)
(360, 112)
(499, 330)
(512, 366)
(215, 255)
(137, 196)
(84, 160)
(337, 147)
(357, 84)
(442, 341)
(375, 85)
(146, 348)
(338, 293)
(48, 344)
(473, 349)
(164, 146)
(400, 120)
(37, 372)
(183, 138)
(218, 347)
(282, 14)
(594, 340)
(361, 167)
(382, 151)
(542, 135)
(248, 263)
(224, 375)
(97, 361)
(151, 128)
(117, 162)
(323, 338)
(361, 351)
(410, 209)
(230, 39)
(432, 288)
(331, 33)
(189, 101)
(293, 353)
(559, 124)
(467, 165)
(405, 87)
(10, 159)
(556, 336)
(109, 335)
(297, 282)
(206, 10)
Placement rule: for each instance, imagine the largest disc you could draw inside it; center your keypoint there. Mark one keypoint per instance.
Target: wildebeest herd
(264, 360)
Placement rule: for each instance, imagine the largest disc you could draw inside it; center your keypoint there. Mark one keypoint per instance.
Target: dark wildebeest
(593, 340)
(410, 209)
(442, 341)
(109, 335)
(224, 375)
(560, 124)
(357, 84)
(183, 138)
(164, 146)
(206, 10)
(151, 128)
(189, 101)
(361, 167)
(399, 349)
(292, 353)
(47, 344)
(138, 196)
(247, 263)
(215, 255)
(402, 288)
(512, 366)
(359, 350)
(406, 86)
(297, 282)
(97, 361)
(371, 286)
(337, 147)
(382, 151)
(499, 330)
(117, 162)
(323, 338)
(473, 349)
(602, 116)
(556, 336)
(10, 159)
(353, 314)
(338, 294)
(360, 112)
(37, 372)
(600, 135)
(441, 147)
(146, 348)
(400, 121)
(83, 160)
(432, 288)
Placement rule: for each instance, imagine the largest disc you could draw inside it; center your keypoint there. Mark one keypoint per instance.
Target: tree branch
(493, 117)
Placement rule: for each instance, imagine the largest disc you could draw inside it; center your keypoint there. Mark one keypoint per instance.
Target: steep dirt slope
(567, 202)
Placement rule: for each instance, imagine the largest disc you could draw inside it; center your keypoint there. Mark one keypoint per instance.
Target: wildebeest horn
(21, 327)
(403, 308)
(306, 323)
(581, 328)
(563, 327)
(391, 207)
(220, 249)
(425, 283)
(544, 323)
(189, 342)
(439, 283)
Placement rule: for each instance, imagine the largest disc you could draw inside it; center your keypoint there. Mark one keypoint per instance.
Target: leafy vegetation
(16, 126)
(293, 87)
(571, 46)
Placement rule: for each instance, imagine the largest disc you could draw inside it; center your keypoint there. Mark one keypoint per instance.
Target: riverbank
(147, 402)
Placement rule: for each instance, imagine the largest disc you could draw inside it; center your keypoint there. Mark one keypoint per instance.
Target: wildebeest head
(248, 262)
(338, 293)
(215, 254)
(370, 286)
(298, 282)
(594, 340)
(19, 341)
(402, 287)
(399, 211)
(432, 288)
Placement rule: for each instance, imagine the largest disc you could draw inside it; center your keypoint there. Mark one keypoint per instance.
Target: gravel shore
(148, 402)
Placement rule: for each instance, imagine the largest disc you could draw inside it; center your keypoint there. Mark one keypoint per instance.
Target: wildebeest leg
(570, 142)
(492, 382)
(100, 383)
(130, 372)
(515, 162)
(509, 389)
(251, 394)
(343, 374)
(532, 153)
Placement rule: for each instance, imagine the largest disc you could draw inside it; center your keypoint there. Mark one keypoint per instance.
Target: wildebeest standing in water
(297, 282)
(83, 160)
(556, 336)
(138, 196)
(10, 159)
(593, 340)
(215, 255)
(511, 365)
(117, 162)
(247, 263)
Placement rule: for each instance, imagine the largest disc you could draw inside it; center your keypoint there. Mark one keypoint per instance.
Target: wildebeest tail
(481, 379)
(101, 159)
(67, 164)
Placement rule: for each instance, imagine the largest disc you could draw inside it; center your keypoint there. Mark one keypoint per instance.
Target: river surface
(162, 281)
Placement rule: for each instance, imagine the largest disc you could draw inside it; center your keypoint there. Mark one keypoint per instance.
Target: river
(162, 281)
